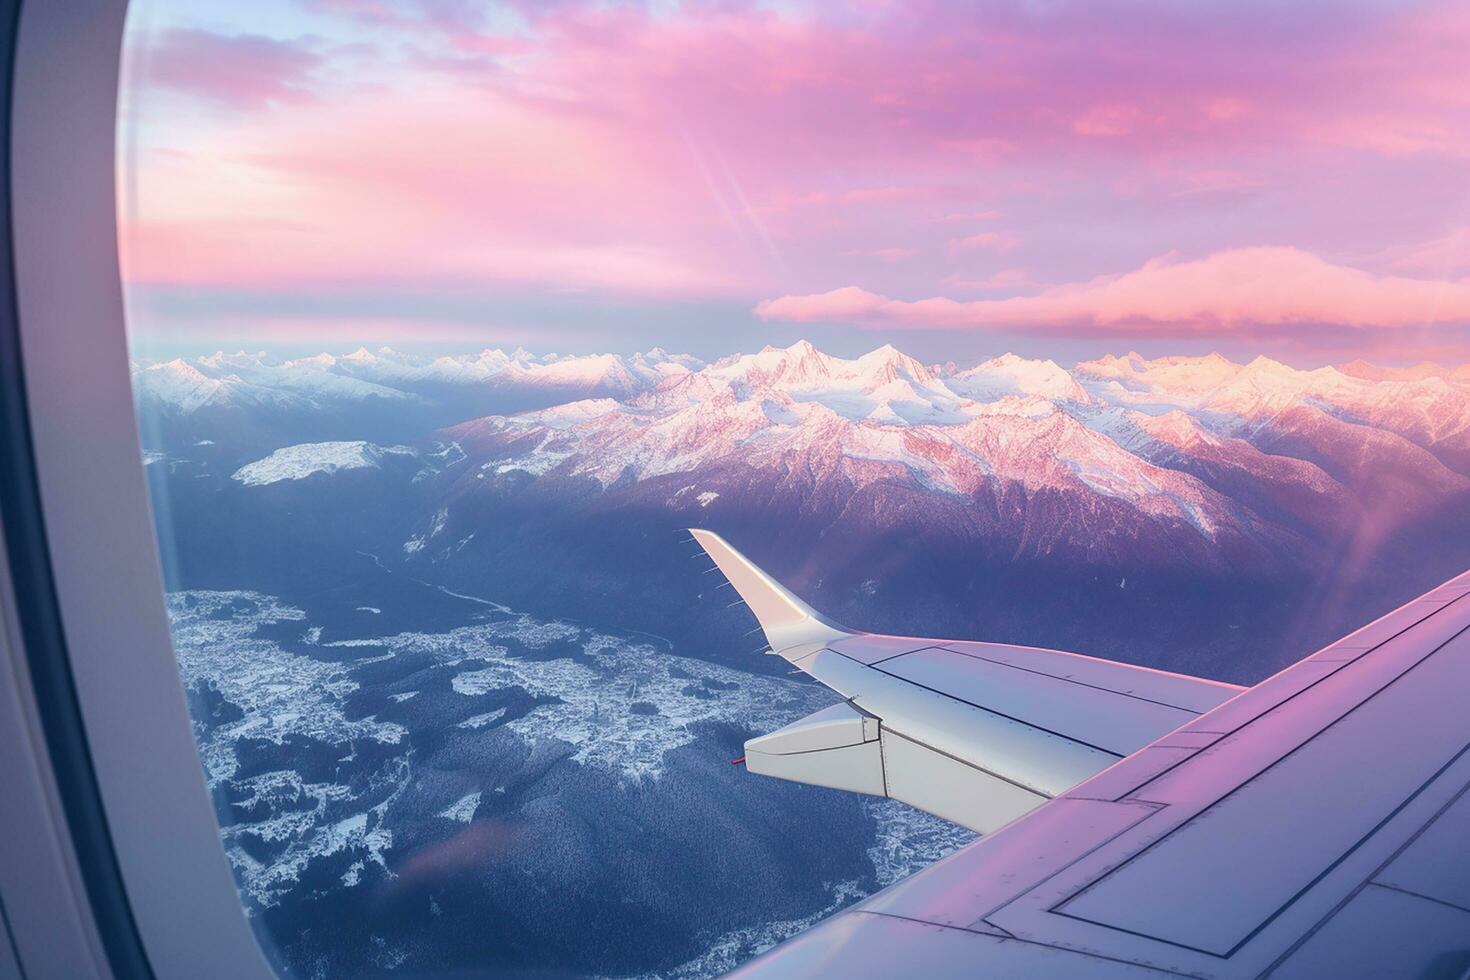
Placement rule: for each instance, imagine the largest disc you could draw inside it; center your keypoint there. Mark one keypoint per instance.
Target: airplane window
(448, 322)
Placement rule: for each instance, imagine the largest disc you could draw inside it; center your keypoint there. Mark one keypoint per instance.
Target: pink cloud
(1394, 135)
(401, 188)
(953, 216)
(1115, 120)
(1004, 279)
(245, 71)
(455, 17)
(886, 254)
(1220, 181)
(1444, 255)
(1226, 109)
(998, 241)
(1249, 288)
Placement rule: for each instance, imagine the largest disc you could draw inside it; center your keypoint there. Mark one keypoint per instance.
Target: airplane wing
(977, 733)
(1317, 825)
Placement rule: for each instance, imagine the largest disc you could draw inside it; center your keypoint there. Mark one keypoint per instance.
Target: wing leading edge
(1318, 825)
(977, 733)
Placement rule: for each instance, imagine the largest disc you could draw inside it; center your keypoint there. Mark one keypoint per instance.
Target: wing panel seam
(1069, 680)
(1348, 852)
(1371, 880)
(1013, 938)
(1002, 714)
(1338, 666)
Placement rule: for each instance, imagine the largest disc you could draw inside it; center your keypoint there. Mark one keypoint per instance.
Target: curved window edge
(172, 889)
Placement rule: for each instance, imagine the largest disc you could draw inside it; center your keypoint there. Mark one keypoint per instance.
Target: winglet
(793, 628)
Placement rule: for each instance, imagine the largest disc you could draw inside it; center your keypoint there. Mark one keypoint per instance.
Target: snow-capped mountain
(766, 429)
(185, 388)
(252, 402)
(1019, 376)
(1198, 443)
(1429, 408)
(1123, 471)
(361, 375)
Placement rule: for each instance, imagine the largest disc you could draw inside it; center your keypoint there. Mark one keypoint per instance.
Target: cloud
(1114, 120)
(1263, 288)
(1445, 255)
(299, 197)
(892, 254)
(246, 71)
(450, 16)
(999, 241)
(1217, 181)
(990, 215)
(1004, 279)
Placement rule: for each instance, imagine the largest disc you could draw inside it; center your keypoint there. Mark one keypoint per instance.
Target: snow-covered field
(616, 704)
(623, 705)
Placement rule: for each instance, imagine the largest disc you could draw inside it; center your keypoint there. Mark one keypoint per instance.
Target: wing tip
(786, 620)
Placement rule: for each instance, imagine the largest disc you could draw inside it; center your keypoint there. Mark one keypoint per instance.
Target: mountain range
(1236, 504)
(1224, 458)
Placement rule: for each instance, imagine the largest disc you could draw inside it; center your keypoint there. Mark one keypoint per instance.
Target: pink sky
(1288, 176)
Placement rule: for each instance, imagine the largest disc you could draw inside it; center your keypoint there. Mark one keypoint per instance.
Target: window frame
(99, 589)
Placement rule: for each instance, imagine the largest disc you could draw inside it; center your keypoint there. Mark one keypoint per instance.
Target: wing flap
(837, 747)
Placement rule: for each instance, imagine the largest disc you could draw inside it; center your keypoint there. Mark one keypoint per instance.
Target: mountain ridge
(1243, 511)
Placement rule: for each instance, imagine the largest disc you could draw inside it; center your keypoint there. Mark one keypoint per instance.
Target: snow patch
(463, 809)
(308, 459)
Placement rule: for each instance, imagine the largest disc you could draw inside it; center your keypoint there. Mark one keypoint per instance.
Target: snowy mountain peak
(592, 371)
(176, 384)
(320, 361)
(1261, 365)
(178, 367)
(887, 363)
(800, 365)
(1010, 374)
(1177, 429)
(1185, 374)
